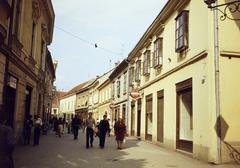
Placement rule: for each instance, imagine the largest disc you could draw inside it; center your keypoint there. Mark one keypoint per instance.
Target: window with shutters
(138, 71)
(18, 14)
(146, 63)
(131, 76)
(158, 53)
(125, 83)
(118, 88)
(33, 39)
(181, 40)
(113, 90)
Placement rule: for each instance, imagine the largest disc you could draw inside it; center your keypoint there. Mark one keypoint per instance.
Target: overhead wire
(95, 45)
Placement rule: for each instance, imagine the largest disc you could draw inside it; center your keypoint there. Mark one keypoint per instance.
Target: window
(33, 39)
(18, 18)
(131, 76)
(182, 31)
(43, 52)
(157, 53)
(138, 71)
(124, 83)
(146, 63)
(113, 90)
(118, 88)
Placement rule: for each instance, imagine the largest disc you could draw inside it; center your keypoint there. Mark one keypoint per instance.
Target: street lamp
(209, 2)
(228, 8)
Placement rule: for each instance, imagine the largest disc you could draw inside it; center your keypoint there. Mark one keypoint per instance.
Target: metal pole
(217, 88)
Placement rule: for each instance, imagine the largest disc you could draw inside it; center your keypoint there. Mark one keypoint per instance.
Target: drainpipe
(217, 87)
(128, 100)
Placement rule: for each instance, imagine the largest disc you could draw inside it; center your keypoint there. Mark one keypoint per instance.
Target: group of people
(59, 125)
(100, 129)
(36, 124)
(7, 138)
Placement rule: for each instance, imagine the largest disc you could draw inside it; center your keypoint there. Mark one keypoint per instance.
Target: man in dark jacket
(28, 124)
(6, 143)
(103, 129)
(75, 126)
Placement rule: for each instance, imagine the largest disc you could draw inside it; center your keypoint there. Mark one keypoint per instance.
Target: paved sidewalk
(54, 152)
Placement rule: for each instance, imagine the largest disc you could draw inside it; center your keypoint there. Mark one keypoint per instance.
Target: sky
(114, 26)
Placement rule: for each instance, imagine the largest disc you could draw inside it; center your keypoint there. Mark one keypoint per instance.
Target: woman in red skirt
(120, 132)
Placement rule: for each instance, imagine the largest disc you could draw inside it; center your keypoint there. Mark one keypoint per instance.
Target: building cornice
(105, 83)
(120, 68)
(67, 96)
(116, 103)
(157, 25)
(194, 59)
(230, 54)
(21, 65)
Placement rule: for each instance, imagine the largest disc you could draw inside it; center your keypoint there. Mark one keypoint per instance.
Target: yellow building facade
(98, 96)
(104, 100)
(82, 99)
(174, 69)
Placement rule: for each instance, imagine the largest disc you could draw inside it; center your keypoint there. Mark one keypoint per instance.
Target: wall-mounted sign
(135, 94)
(12, 82)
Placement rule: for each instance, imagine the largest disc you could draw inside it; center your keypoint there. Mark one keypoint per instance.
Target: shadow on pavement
(54, 152)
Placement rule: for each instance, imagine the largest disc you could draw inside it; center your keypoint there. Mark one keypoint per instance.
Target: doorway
(148, 131)
(10, 100)
(28, 95)
(160, 116)
(124, 113)
(132, 118)
(184, 116)
(139, 104)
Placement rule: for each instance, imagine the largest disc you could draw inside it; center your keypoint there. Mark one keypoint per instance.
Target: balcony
(16, 45)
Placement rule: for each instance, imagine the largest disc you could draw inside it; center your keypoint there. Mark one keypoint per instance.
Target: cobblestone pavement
(54, 152)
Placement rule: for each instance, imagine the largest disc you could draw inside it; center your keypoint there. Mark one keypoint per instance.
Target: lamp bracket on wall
(230, 10)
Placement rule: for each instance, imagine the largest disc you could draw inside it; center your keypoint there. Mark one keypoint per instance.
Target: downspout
(128, 100)
(217, 87)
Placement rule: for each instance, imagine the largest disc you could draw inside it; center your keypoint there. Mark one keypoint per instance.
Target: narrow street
(54, 152)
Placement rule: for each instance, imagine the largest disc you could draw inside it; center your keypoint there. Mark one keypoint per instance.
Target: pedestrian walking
(55, 125)
(6, 143)
(103, 129)
(120, 132)
(83, 125)
(28, 125)
(110, 127)
(75, 126)
(68, 126)
(63, 124)
(51, 123)
(90, 123)
(37, 129)
(60, 127)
